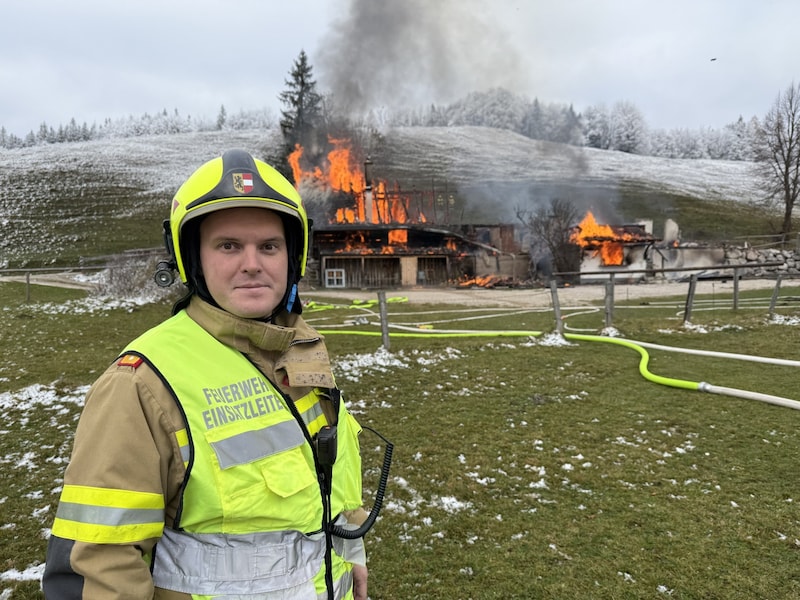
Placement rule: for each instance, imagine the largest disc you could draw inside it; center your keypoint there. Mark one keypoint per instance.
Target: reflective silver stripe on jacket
(352, 551)
(340, 588)
(186, 454)
(282, 564)
(246, 447)
(313, 413)
(108, 515)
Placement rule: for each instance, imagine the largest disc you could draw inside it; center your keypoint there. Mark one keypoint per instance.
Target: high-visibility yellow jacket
(193, 460)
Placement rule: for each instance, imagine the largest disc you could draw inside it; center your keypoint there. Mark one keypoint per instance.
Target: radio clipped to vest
(326, 445)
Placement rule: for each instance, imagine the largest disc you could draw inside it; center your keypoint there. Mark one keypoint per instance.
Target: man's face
(244, 260)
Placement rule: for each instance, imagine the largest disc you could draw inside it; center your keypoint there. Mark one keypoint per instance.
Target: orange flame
(341, 173)
(602, 240)
(398, 236)
(356, 243)
(486, 281)
(354, 240)
(345, 215)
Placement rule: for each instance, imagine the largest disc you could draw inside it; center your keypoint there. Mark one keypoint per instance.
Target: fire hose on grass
(701, 386)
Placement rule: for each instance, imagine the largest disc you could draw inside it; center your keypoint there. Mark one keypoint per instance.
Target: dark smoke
(408, 53)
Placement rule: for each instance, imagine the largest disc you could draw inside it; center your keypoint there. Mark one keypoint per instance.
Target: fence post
(775, 293)
(556, 306)
(27, 287)
(736, 289)
(384, 319)
(687, 311)
(610, 301)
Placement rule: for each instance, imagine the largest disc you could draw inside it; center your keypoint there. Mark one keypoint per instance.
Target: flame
(398, 236)
(375, 205)
(356, 243)
(346, 215)
(294, 162)
(340, 173)
(353, 241)
(602, 240)
(486, 281)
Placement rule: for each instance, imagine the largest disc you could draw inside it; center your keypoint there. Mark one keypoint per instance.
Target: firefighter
(197, 469)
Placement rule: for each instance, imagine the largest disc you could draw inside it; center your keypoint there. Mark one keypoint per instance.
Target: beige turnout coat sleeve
(125, 440)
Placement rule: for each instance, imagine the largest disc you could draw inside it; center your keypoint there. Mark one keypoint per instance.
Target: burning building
(610, 246)
(372, 235)
(633, 248)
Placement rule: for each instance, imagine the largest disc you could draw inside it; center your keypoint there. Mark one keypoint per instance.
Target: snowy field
(56, 197)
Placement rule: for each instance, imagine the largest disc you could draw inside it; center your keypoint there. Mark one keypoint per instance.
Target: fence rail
(776, 240)
(14, 274)
(107, 262)
(53, 269)
(709, 268)
(689, 304)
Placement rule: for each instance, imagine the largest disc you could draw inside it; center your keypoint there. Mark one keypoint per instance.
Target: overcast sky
(97, 59)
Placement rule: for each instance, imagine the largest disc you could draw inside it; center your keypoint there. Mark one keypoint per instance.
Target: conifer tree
(302, 117)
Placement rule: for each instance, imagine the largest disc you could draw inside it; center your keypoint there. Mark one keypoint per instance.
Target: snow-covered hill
(62, 201)
(479, 158)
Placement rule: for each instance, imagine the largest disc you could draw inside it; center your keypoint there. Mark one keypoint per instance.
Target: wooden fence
(689, 304)
(26, 275)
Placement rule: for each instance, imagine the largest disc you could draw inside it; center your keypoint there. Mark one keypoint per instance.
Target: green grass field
(524, 466)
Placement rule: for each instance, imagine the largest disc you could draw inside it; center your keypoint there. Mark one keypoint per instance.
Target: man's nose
(250, 259)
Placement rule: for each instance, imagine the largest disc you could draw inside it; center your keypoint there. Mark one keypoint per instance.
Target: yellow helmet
(235, 179)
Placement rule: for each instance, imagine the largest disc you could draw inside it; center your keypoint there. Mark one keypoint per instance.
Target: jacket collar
(289, 349)
(244, 334)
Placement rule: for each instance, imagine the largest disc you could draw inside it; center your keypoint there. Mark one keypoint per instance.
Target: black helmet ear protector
(165, 269)
(165, 272)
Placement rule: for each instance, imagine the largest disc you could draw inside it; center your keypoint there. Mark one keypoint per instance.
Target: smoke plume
(408, 53)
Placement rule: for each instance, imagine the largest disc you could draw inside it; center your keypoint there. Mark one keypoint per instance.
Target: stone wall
(760, 261)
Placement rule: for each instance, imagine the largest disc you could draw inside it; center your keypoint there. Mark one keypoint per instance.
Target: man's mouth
(252, 286)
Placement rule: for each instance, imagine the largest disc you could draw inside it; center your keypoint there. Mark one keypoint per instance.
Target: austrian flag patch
(130, 360)
(243, 182)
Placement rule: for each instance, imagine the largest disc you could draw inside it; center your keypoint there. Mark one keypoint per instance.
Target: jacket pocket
(269, 493)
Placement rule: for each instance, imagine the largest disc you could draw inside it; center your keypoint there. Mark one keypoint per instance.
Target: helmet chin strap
(291, 297)
(290, 300)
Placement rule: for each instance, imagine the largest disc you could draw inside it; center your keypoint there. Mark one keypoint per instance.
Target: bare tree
(778, 152)
(551, 226)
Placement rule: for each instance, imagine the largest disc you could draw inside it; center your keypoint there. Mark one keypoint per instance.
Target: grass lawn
(525, 466)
